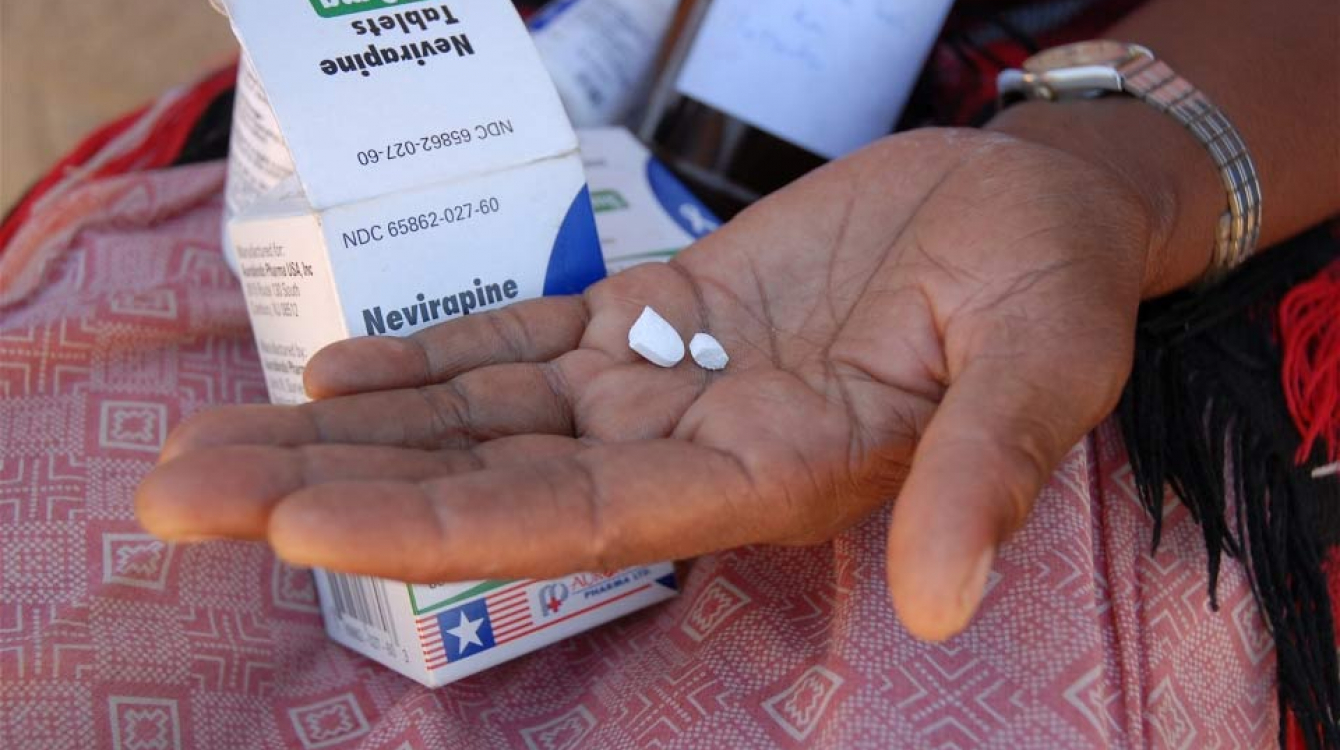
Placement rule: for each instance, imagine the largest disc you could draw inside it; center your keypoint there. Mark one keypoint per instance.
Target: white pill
(656, 340)
(708, 352)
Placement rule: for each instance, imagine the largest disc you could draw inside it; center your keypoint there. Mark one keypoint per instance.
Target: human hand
(937, 319)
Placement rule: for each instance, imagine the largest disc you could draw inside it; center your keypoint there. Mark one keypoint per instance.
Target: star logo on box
(466, 630)
(335, 8)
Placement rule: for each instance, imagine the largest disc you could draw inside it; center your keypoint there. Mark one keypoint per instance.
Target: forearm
(1273, 68)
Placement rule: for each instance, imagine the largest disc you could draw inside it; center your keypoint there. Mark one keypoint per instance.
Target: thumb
(987, 453)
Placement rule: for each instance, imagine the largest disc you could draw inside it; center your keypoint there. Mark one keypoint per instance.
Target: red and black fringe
(1309, 321)
(1205, 414)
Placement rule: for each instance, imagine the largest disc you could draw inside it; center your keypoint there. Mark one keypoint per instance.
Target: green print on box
(335, 8)
(608, 200)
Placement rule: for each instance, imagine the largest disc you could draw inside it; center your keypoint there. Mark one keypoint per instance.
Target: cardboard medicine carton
(644, 213)
(437, 176)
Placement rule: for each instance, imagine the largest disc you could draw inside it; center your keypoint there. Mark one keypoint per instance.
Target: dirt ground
(67, 66)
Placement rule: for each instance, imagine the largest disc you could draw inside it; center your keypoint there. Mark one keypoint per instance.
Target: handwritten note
(827, 75)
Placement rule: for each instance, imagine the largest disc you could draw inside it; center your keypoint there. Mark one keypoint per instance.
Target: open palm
(937, 319)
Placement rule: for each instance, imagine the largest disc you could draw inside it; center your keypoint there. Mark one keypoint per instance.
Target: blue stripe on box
(679, 204)
(576, 261)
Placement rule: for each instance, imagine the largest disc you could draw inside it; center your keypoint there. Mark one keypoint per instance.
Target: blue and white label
(644, 213)
(466, 630)
(680, 204)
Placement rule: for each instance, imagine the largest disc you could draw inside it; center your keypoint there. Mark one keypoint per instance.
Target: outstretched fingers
(600, 508)
(481, 405)
(229, 492)
(534, 331)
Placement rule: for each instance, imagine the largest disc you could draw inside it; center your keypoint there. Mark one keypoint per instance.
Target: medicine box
(436, 177)
(643, 212)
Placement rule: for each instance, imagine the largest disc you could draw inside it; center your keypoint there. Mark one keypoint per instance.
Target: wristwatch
(1096, 68)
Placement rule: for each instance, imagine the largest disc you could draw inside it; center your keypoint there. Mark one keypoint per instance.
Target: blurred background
(68, 66)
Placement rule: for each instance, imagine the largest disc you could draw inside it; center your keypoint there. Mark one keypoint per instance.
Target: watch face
(1098, 52)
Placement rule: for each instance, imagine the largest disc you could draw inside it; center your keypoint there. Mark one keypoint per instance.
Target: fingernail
(974, 588)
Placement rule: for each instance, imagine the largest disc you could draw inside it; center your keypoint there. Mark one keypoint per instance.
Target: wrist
(1164, 167)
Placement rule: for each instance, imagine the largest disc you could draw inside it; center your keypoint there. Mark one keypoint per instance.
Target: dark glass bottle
(755, 94)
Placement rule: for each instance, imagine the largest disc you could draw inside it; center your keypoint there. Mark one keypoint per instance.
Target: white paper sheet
(827, 75)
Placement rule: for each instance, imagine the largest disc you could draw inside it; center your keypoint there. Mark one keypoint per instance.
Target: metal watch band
(1152, 81)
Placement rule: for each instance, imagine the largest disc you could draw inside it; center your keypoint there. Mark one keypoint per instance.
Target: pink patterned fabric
(111, 639)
